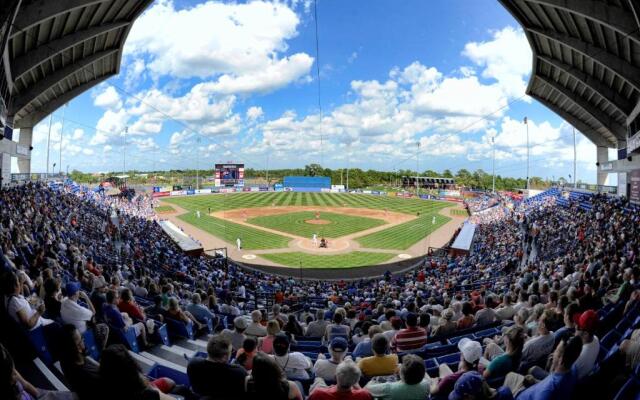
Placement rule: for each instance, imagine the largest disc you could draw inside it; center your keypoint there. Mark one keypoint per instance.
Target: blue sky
(205, 82)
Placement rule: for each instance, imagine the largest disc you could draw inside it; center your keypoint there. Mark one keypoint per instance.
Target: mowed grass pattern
(294, 223)
(353, 259)
(252, 239)
(403, 236)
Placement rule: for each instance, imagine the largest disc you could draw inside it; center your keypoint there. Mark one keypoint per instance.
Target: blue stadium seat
(180, 329)
(90, 344)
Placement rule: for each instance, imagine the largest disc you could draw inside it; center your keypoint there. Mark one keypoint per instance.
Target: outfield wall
(337, 274)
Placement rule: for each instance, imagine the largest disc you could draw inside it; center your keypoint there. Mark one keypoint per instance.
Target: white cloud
(352, 57)
(239, 43)
(87, 152)
(506, 58)
(110, 127)
(254, 113)
(108, 98)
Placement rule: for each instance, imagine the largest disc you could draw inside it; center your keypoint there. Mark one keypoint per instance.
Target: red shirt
(131, 309)
(331, 393)
(409, 339)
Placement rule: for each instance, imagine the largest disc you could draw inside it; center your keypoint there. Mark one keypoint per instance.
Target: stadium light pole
(417, 169)
(61, 136)
(267, 172)
(526, 123)
(49, 143)
(493, 163)
(197, 165)
(124, 151)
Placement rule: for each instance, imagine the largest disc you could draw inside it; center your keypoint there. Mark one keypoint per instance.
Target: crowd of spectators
(74, 262)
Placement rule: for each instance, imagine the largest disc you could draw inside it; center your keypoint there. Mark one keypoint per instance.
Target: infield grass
(403, 236)
(295, 223)
(353, 259)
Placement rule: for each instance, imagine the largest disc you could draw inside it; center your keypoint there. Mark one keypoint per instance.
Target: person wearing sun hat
(586, 325)
(326, 369)
(470, 354)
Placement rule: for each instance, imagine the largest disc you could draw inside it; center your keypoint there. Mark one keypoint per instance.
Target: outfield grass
(353, 259)
(462, 213)
(294, 223)
(403, 236)
(164, 209)
(252, 239)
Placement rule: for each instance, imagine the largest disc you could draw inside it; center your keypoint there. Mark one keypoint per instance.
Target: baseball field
(285, 228)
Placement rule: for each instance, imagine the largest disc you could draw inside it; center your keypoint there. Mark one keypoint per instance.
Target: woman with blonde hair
(265, 344)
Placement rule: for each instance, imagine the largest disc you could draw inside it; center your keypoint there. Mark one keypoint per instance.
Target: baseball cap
(470, 383)
(339, 344)
(240, 323)
(587, 321)
(470, 349)
(72, 288)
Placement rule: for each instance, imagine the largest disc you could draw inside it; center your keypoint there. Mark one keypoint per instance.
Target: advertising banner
(337, 187)
(203, 191)
(366, 191)
(278, 187)
(622, 184)
(634, 185)
(254, 189)
(160, 194)
(246, 189)
(190, 192)
(178, 193)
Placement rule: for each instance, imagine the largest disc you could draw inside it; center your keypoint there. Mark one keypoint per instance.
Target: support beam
(602, 158)
(600, 12)
(26, 140)
(619, 102)
(21, 100)
(634, 5)
(41, 54)
(585, 129)
(620, 67)
(38, 11)
(605, 120)
(36, 116)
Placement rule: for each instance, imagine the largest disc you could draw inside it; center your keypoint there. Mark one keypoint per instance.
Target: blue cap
(72, 288)
(470, 383)
(339, 344)
(306, 307)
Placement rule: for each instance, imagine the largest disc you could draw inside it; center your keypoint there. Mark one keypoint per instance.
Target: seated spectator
(536, 350)
(245, 355)
(507, 360)
(175, 312)
(294, 364)
(117, 320)
(236, 336)
(337, 329)
(293, 327)
(424, 321)
(467, 319)
(19, 308)
(14, 387)
(571, 312)
(98, 296)
(396, 325)
(470, 386)
(363, 349)
(505, 311)
(200, 312)
(486, 315)
(559, 384)
(255, 328)
(214, 376)
(585, 330)
(446, 326)
(346, 387)
(122, 378)
(412, 384)
(268, 381)
(82, 373)
(156, 311)
(128, 305)
(317, 328)
(381, 363)
(52, 298)
(410, 338)
(326, 369)
(265, 344)
(73, 313)
(470, 354)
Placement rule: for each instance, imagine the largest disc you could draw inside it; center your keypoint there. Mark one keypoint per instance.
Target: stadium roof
(60, 48)
(586, 61)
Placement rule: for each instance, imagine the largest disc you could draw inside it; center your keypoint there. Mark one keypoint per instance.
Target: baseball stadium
(320, 200)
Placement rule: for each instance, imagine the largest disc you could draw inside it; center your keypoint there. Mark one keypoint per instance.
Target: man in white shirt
(295, 364)
(506, 310)
(255, 329)
(585, 329)
(326, 369)
(539, 347)
(19, 308)
(72, 312)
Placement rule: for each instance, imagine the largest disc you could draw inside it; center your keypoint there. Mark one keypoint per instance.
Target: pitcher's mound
(317, 221)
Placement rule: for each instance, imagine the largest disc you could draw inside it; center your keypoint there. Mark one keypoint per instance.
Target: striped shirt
(411, 338)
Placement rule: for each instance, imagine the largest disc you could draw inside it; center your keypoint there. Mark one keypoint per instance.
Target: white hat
(471, 350)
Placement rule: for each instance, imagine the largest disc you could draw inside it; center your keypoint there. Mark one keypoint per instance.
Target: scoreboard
(229, 174)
